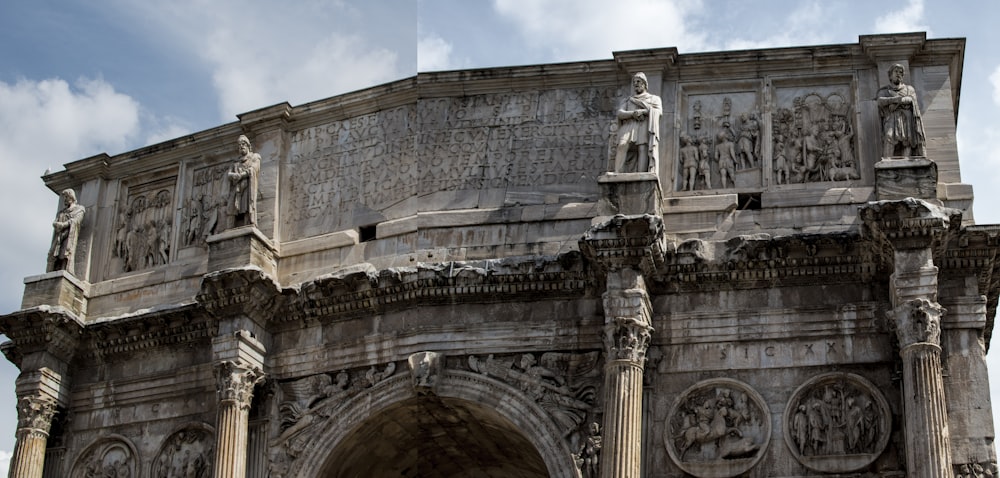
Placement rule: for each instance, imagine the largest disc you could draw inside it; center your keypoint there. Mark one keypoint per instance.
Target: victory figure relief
(638, 126)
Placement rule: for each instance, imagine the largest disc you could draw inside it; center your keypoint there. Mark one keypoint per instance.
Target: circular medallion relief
(837, 423)
(717, 428)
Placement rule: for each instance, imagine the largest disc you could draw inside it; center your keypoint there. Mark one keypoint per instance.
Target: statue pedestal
(56, 288)
(629, 194)
(900, 178)
(240, 247)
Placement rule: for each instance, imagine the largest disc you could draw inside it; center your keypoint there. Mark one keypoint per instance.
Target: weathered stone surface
(449, 274)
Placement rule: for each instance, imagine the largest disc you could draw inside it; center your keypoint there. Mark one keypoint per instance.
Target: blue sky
(79, 77)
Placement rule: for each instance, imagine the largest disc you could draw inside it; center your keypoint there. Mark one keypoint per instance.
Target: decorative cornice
(910, 223)
(635, 241)
(245, 291)
(41, 329)
(125, 336)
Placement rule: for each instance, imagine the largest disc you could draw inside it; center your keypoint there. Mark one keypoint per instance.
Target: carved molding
(837, 423)
(718, 428)
(235, 382)
(910, 223)
(917, 321)
(627, 241)
(34, 413)
(42, 329)
(247, 291)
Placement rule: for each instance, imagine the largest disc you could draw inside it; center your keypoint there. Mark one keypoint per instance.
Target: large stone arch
(529, 419)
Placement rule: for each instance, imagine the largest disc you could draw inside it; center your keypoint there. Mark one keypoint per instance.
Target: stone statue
(242, 206)
(639, 126)
(65, 232)
(590, 453)
(901, 122)
(725, 155)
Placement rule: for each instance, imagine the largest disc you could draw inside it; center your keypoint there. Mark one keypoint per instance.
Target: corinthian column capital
(235, 382)
(35, 412)
(917, 321)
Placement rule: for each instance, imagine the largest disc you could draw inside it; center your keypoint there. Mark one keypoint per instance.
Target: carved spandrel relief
(425, 371)
(717, 428)
(837, 423)
(720, 143)
(108, 458)
(187, 453)
(144, 226)
(305, 404)
(813, 136)
(563, 384)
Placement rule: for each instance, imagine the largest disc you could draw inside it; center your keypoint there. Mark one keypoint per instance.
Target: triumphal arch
(753, 263)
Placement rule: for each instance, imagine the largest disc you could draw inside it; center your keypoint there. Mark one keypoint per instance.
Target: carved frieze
(837, 423)
(144, 227)
(305, 403)
(109, 457)
(813, 135)
(188, 453)
(563, 384)
(717, 428)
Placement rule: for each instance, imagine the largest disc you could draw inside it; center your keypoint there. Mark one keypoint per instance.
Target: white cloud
(909, 18)
(44, 124)
(5, 457)
(435, 54)
(995, 83)
(805, 25)
(300, 52)
(588, 29)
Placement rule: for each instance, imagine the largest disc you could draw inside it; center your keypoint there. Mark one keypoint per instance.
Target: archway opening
(432, 437)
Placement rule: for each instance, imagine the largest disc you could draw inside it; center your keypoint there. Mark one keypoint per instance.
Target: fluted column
(928, 444)
(627, 332)
(34, 417)
(235, 386)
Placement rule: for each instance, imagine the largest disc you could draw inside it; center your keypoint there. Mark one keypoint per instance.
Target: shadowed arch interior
(434, 437)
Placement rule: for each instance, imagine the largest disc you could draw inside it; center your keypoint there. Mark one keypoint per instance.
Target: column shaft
(29, 454)
(928, 444)
(622, 448)
(231, 452)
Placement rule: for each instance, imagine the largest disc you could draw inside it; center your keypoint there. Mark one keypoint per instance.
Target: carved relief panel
(108, 457)
(144, 225)
(837, 423)
(203, 210)
(188, 453)
(720, 142)
(813, 132)
(717, 428)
